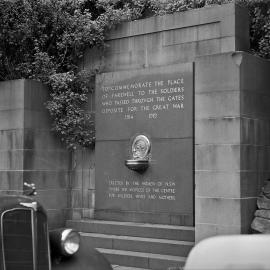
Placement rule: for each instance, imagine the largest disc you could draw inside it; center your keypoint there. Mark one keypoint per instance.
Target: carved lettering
(151, 97)
(146, 190)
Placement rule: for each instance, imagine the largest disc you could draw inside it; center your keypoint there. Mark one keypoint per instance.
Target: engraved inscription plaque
(158, 102)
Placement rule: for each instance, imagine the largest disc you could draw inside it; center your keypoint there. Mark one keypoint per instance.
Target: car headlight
(70, 241)
(64, 242)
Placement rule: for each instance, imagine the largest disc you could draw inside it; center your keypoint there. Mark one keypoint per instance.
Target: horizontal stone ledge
(206, 15)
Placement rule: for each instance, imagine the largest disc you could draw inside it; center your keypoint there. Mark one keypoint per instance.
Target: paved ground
(119, 267)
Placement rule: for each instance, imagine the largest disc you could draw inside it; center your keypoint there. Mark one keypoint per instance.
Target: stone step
(143, 260)
(138, 244)
(120, 267)
(181, 233)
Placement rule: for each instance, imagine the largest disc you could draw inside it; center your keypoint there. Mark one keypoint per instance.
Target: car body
(26, 243)
(230, 252)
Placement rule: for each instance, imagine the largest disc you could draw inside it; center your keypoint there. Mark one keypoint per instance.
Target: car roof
(237, 252)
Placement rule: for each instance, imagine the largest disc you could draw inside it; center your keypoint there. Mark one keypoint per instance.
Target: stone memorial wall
(177, 80)
(30, 152)
(156, 102)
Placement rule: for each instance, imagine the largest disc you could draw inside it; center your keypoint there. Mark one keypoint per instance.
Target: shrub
(45, 40)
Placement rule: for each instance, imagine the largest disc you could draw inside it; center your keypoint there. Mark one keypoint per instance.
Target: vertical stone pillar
(83, 175)
(11, 136)
(231, 141)
(83, 184)
(29, 151)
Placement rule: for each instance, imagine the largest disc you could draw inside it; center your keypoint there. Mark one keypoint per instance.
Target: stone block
(154, 40)
(242, 23)
(123, 60)
(192, 34)
(87, 197)
(243, 184)
(11, 139)
(225, 68)
(255, 74)
(12, 95)
(208, 210)
(93, 59)
(11, 192)
(11, 159)
(35, 95)
(218, 130)
(46, 160)
(205, 47)
(170, 55)
(262, 155)
(76, 213)
(218, 157)
(119, 45)
(249, 183)
(216, 12)
(48, 179)
(90, 105)
(57, 218)
(217, 104)
(37, 119)
(11, 180)
(255, 105)
(227, 25)
(77, 179)
(209, 31)
(83, 159)
(11, 119)
(203, 230)
(249, 157)
(262, 131)
(91, 199)
(249, 130)
(41, 139)
(76, 198)
(248, 208)
(228, 44)
(138, 43)
(217, 184)
(53, 198)
(88, 213)
(177, 20)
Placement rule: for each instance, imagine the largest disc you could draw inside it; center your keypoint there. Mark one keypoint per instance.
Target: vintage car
(231, 252)
(26, 243)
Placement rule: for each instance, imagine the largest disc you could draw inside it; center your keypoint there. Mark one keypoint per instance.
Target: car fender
(84, 259)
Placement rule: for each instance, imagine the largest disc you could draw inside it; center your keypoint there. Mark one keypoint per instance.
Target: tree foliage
(45, 40)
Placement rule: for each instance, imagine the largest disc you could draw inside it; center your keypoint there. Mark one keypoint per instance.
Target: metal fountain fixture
(140, 149)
